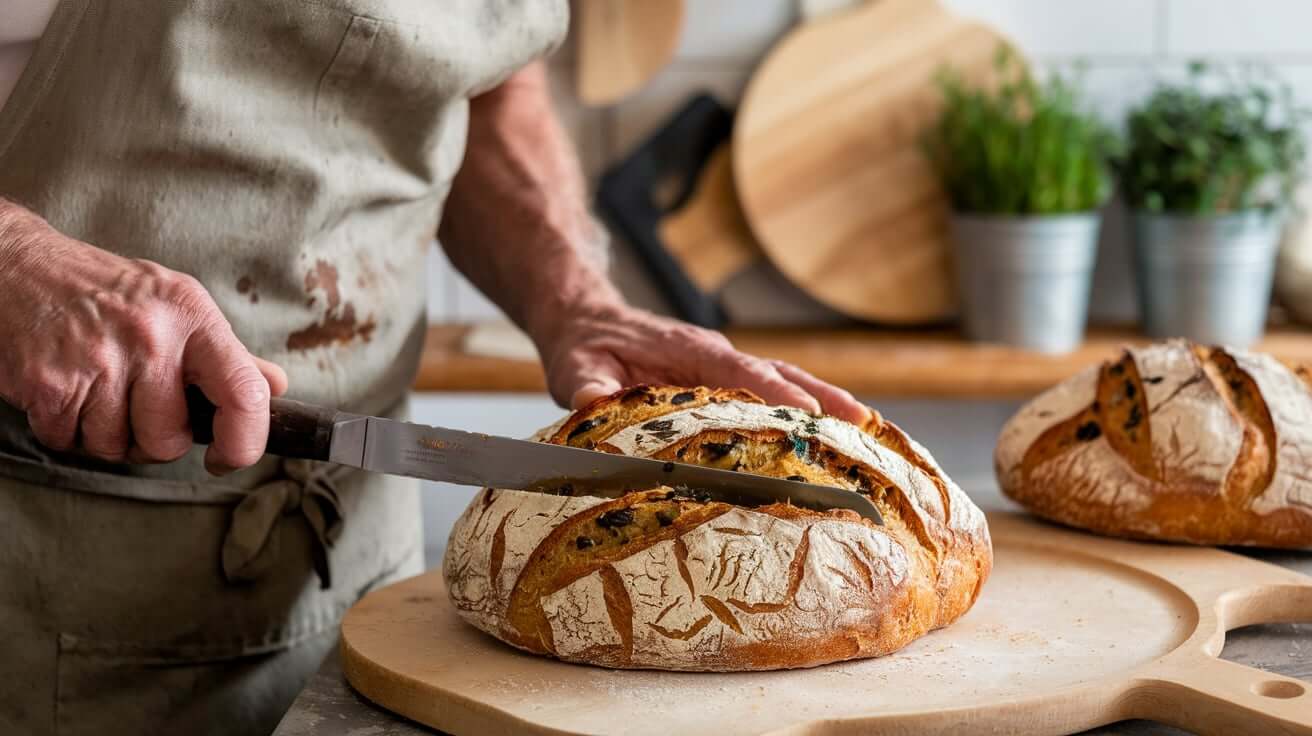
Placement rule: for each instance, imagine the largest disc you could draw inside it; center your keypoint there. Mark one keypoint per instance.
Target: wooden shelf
(867, 362)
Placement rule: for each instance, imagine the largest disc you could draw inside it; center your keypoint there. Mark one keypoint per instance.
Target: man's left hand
(603, 350)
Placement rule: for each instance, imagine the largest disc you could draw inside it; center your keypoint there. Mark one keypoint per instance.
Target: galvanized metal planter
(1024, 281)
(1206, 278)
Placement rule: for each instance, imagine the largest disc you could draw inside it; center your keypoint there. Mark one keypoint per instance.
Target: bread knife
(298, 430)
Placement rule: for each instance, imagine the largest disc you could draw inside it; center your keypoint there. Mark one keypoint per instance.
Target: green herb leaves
(1202, 152)
(1024, 148)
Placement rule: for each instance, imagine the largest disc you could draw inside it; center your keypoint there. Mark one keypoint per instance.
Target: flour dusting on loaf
(493, 539)
(739, 568)
(665, 578)
(1195, 435)
(579, 617)
(1054, 406)
(1173, 441)
(1290, 405)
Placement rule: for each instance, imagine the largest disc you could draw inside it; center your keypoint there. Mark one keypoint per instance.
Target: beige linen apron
(294, 156)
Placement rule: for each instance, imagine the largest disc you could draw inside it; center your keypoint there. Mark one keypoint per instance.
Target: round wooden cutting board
(1071, 632)
(622, 44)
(827, 158)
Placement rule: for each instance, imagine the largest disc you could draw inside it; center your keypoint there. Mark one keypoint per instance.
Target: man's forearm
(517, 221)
(517, 224)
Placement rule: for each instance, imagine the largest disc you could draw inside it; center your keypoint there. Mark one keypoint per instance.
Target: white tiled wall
(1066, 28)
(1268, 29)
(1125, 44)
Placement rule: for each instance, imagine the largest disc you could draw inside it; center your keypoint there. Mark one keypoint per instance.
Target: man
(238, 196)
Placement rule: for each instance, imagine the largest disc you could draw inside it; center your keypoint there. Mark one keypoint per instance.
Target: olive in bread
(1173, 441)
(666, 578)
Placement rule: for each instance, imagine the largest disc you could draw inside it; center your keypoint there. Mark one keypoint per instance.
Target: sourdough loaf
(1173, 441)
(664, 578)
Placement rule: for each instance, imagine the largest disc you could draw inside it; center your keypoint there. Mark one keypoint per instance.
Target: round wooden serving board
(827, 158)
(1071, 632)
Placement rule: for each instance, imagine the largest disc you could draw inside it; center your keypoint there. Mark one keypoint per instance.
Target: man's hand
(99, 348)
(599, 352)
(517, 225)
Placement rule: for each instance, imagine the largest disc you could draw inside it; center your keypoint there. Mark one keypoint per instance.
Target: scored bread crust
(1174, 442)
(666, 579)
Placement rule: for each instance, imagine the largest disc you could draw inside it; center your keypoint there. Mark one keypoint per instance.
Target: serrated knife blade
(471, 458)
(468, 458)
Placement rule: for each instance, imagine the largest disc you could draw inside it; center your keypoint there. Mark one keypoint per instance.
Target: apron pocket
(145, 689)
(136, 630)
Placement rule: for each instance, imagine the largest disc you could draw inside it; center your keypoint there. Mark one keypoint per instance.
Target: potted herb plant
(1026, 170)
(1209, 170)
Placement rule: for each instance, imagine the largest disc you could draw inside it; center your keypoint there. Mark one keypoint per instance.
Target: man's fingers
(584, 376)
(104, 429)
(273, 374)
(761, 377)
(833, 399)
(636, 346)
(228, 376)
(160, 432)
(593, 390)
(53, 413)
(56, 430)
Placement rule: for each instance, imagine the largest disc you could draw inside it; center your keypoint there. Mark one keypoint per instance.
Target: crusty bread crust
(1173, 442)
(666, 579)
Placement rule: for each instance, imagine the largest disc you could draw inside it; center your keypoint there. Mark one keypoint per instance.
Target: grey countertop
(329, 707)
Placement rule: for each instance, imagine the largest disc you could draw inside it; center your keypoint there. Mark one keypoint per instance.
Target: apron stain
(332, 329)
(246, 286)
(324, 276)
(339, 324)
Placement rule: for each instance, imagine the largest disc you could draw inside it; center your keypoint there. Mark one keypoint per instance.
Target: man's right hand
(98, 350)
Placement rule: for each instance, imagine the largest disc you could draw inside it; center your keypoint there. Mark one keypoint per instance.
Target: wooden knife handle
(295, 429)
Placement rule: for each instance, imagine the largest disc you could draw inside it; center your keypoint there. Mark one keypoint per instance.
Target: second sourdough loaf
(664, 578)
(1173, 441)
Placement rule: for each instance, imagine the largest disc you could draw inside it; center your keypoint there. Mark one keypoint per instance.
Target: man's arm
(517, 224)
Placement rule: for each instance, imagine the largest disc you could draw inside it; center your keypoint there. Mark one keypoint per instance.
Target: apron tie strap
(251, 547)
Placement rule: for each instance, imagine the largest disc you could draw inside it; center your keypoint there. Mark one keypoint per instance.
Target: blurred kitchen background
(1124, 48)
